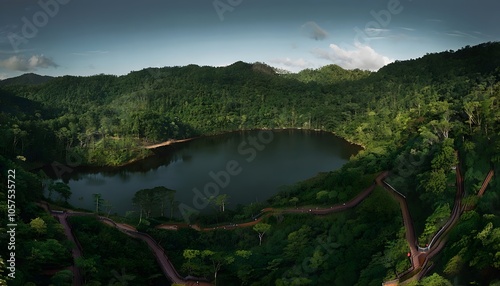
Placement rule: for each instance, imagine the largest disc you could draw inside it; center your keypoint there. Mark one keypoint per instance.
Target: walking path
(163, 261)
(485, 183)
(420, 257)
(76, 251)
(271, 211)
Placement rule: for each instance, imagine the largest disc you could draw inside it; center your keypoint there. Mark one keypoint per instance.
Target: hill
(26, 79)
(411, 116)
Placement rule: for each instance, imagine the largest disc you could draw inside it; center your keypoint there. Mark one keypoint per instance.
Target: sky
(87, 37)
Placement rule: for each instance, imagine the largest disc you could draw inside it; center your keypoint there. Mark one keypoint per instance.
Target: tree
(62, 278)
(297, 240)
(171, 200)
(88, 266)
(446, 158)
(62, 189)
(472, 109)
(218, 259)
(97, 201)
(243, 253)
(294, 201)
(39, 225)
(261, 229)
(436, 183)
(160, 194)
(321, 195)
(146, 201)
(190, 254)
(454, 266)
(221, 201)
(435, 280)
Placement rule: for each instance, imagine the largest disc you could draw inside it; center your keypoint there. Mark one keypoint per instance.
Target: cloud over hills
(20, 63)
(359, 56)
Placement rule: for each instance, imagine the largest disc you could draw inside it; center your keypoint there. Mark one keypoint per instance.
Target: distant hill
(26, 79)
(329, 74)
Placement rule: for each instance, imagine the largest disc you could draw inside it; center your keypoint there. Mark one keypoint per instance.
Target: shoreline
(172, 142)
(175, 141)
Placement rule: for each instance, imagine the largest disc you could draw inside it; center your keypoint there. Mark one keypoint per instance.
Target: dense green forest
(411, 116)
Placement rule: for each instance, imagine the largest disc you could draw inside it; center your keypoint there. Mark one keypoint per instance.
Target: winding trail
(167, 267)
(76, 251)
(272, 211)
(420, 257)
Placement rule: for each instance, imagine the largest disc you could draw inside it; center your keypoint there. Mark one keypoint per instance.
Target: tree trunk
(140, 217)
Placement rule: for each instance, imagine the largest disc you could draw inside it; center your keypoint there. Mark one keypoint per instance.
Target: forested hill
(156, 104)
(427, 121)
(26, 79)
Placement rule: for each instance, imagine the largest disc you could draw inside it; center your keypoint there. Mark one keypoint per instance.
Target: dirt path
(76, 251)
(169, 142)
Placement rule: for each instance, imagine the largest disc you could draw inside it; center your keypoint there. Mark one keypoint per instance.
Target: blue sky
(77, 37)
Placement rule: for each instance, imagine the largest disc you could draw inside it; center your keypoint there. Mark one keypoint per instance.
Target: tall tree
(261, 229)
(221, 201)
(97, 201)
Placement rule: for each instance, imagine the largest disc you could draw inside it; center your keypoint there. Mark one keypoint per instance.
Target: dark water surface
(248, 166)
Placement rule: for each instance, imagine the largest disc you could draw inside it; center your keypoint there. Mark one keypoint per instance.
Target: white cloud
(314, 31)
(19, 63)
(360, 56)
(372, 31)
(298, 64)
(456, 33)
(3, 76)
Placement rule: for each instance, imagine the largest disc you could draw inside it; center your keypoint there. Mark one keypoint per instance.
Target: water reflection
(292, 156)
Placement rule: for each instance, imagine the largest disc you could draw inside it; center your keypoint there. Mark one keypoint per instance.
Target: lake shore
(176, 141)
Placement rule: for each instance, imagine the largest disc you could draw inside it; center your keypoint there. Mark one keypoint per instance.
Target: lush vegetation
(411, 116)
(104, 260)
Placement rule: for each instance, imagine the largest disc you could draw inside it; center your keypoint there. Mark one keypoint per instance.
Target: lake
(248, 166)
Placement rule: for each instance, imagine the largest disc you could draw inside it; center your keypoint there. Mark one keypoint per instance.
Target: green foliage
(434, 222)
(154, 201)
(261, 228)
(431, 107)
(62, 189)
(103, 253)
(436, 183)
(435, 280)
(39, 225)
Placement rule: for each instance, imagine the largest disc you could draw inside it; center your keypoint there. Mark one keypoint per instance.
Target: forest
(420, 119)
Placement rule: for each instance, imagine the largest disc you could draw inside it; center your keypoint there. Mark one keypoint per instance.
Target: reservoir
(248, 166)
